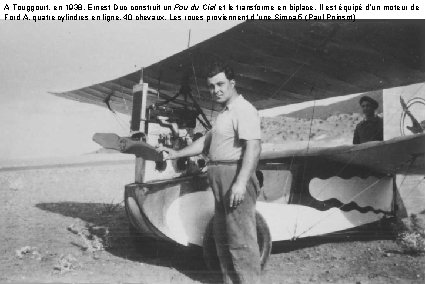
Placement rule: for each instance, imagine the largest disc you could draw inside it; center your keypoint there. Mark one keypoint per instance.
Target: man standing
(371, 128)
(233, 148)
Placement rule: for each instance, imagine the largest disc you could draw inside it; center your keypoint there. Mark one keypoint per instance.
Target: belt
(224, 162)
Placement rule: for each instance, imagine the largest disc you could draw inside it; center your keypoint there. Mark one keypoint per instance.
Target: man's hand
(168, 153)
(237, 194)
(194, 149)
(252, 150)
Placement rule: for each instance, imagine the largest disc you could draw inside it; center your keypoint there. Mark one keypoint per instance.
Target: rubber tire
(263, 239)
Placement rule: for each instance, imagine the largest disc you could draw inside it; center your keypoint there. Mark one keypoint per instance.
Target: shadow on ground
(187, 260)
(124, 243)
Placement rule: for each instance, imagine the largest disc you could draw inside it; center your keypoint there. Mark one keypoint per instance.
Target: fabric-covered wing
(280, 63)
(403, 155)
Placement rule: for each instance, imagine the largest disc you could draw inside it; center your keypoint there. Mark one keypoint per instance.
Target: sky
(38, 58)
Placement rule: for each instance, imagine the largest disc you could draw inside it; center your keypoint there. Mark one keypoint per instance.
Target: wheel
(263, 239)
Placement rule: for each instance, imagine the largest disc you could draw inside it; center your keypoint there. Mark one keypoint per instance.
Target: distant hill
(344, 107)
(105, 151)
(333, 125)
(333, 131)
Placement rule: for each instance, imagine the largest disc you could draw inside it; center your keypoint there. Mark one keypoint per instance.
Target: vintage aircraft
(308, 192)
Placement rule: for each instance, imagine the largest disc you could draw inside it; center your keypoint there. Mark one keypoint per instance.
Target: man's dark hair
(372, 101)
(217, 67)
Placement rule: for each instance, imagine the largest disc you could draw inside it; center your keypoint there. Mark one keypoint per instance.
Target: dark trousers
(235, 229)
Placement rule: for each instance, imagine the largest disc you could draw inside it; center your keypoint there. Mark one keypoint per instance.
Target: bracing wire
(307, 149)
(189, 38)
(120, 122)
(124, 101)
(411, 161)
(325, 217)
(414, 187)
(320, 45)
(406, 172)
(288, 80)
(353, 158)
(289, 169)
(310, 125)
(206, 123)
(195, 78)
(355, 196)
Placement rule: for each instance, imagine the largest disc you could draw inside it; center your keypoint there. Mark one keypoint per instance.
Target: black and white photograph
(212, 152)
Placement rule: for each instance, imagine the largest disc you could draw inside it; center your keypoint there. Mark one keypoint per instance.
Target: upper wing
(280, 63)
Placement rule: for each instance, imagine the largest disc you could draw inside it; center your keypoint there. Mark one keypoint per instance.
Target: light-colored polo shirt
(237, 121)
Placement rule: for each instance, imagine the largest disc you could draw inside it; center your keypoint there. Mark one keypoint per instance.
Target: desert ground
(67, 224)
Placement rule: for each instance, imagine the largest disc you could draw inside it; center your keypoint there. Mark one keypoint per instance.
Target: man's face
(221, 87)
(367, 108)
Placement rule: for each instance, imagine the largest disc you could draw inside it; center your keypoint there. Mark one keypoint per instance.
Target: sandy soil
(37, 206)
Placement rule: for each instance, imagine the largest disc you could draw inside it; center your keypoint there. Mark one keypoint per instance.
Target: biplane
(306, 192)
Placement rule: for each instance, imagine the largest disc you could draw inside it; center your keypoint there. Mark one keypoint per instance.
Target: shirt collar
(233, 103)
(374, 119)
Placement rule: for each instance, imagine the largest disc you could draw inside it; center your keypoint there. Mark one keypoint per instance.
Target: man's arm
(251, 156)
(194, 149)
